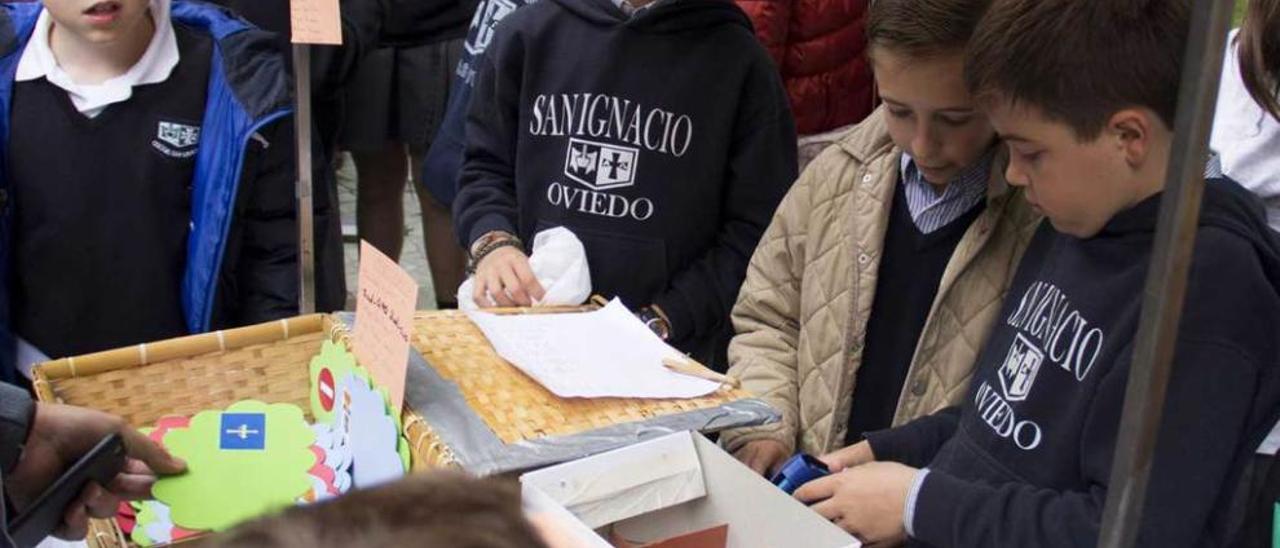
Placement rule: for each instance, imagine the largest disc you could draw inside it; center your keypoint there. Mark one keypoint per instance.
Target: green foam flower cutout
(246, 461)
(402, 447)
(144, 516)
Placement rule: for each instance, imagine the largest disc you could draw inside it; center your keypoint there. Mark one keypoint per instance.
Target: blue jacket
(248, 94)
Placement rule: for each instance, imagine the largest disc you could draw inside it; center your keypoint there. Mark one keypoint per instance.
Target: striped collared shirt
(1213, 168)
(931, 210)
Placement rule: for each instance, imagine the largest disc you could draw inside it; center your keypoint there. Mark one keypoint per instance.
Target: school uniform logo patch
(600, 166)
(1021, 365)
(176, 140)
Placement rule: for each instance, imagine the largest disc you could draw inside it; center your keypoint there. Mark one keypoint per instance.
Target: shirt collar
(155, 65)
(931, 210)
(971, 180)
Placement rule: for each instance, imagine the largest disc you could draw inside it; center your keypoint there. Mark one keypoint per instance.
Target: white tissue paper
(558, 261)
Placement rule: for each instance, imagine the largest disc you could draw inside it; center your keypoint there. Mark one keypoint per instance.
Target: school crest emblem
(178, 135)
(599, 166)
(1021, 365)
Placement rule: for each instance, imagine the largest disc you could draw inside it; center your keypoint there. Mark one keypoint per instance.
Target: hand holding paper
(558, 261)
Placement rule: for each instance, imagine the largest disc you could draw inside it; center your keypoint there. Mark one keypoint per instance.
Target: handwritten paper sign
(384, 320)
(315, 22)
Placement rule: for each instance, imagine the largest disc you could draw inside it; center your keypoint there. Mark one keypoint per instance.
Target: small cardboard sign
(387, 296)
(315, 22)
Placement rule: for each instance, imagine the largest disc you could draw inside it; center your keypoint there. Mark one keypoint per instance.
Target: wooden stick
(556, 309)
(695, 369)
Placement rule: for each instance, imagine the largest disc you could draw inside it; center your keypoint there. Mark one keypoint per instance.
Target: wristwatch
(656, 321)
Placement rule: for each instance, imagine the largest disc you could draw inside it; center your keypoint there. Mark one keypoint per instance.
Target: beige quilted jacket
(802, 313)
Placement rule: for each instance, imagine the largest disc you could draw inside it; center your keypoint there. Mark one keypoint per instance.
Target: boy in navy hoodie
(146, 177)
(1026, 460)
(659, 133)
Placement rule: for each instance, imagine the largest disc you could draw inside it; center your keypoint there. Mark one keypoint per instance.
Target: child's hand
(867, 501)
(857, 454)
(763, 456)
(503, 278)
(61, 434)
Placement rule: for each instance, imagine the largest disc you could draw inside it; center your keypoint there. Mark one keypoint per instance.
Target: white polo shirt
(154, 67)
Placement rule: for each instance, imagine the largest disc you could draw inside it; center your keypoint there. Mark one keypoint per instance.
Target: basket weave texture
(267, 362)
(513, 405)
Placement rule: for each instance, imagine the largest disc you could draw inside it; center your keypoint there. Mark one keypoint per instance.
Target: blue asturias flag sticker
(243, 431)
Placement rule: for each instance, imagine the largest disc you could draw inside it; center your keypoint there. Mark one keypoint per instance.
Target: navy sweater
(81, 270)
(911, 269)
(664, 141)
(1025, 461)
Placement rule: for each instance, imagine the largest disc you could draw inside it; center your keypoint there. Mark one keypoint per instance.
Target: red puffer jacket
(820, 47)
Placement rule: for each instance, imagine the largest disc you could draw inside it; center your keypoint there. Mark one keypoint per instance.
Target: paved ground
(413, 258)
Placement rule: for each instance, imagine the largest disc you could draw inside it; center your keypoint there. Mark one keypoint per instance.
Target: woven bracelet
(490, 247)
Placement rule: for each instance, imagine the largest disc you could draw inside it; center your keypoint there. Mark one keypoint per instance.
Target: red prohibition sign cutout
(326, 388)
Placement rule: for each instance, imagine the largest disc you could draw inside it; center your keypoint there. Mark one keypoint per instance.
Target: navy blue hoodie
(664, 141)
(444, 159)
(1026, 460)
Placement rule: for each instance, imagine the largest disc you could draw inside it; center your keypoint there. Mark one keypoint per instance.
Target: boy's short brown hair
(1081, 61)
(923, 28)
(433, 509)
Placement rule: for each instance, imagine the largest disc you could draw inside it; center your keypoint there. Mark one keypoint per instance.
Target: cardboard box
(670, 486)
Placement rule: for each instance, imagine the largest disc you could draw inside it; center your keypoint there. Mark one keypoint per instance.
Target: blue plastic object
(799, 470)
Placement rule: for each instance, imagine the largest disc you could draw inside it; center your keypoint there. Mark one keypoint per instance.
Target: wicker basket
(183, 376)
(516, 407)
(269, 362)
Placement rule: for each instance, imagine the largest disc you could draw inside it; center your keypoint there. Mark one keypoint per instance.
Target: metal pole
(302, 128)
(1167, 278)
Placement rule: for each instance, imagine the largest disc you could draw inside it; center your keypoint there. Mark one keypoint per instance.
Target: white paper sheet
(600, 354)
